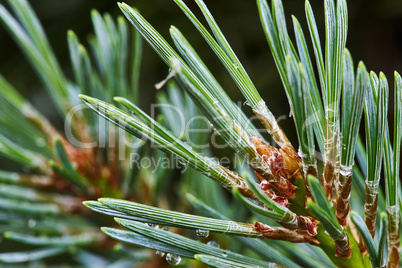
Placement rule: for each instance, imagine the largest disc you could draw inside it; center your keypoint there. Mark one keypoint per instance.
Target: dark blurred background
(375, 36)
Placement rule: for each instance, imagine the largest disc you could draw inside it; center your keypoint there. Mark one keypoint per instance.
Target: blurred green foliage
(375, 36)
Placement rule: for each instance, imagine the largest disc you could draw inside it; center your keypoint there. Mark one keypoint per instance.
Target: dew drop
(236, 65)
(165, 228)
(213, 243)
(160, 253)
(173, 259)
(346, 170)
(31, 223)
(202, 233)
(40, 142)
(152, 225)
